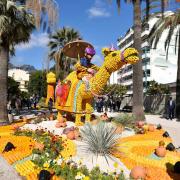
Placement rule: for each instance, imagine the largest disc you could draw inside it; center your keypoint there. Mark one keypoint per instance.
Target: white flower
(47, 154)
(59, 161)
(79, 176)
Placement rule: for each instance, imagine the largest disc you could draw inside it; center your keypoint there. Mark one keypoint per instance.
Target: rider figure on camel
(84, 68)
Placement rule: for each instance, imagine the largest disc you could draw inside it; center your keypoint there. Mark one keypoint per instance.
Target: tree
(138, 111)
(115, 89)
(13, 88)
(44, 11)
(155, 88)
(57, 41)
(171, 23)
(16, 26)
(37, 84)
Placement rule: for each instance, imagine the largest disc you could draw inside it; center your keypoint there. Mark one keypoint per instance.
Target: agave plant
(100, 140)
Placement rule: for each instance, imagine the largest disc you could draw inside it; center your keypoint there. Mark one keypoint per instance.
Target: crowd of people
(108, 104)
(18, 103)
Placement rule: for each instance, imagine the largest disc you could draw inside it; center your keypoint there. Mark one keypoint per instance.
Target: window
(146, 61)
(146, 73)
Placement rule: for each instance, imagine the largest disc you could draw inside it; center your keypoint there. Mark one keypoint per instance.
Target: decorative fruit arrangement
(61, 122)
(39, 146)
(140, 124)
(70, 133)
(119, 129)
(160, 151)
(69, 149)
(151, 128)
(138, 172)
(25, 168)
(23, 148)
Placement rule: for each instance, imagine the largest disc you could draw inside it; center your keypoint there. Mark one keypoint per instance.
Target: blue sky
(97, 21)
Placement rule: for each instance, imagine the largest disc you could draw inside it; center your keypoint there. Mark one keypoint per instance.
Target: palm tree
(44, 11)
(57, 42)
(170, 22)
(138, 111)
(16, 26)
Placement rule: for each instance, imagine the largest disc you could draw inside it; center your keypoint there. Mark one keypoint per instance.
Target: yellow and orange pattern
(138, 149)
(23, 145)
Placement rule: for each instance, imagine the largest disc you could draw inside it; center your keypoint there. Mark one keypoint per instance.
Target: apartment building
(156, 65)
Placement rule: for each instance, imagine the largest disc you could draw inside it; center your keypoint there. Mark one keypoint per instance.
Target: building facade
(156, 65)
(20, 76)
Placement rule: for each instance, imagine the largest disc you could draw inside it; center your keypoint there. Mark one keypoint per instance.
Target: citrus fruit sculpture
(80, 100)
(51, 81)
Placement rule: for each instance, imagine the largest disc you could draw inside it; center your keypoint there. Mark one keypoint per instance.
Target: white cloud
(38, 40)
(98, 10)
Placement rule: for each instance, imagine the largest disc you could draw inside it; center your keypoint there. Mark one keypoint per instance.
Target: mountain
(25, 67)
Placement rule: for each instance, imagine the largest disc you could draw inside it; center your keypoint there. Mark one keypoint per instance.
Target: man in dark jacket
(171, 108)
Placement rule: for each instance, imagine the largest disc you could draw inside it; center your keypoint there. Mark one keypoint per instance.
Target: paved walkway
(7, 172)
(171, 126)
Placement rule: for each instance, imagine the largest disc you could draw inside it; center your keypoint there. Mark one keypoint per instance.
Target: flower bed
(56, 154)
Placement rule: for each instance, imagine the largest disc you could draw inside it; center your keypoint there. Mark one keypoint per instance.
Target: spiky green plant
(125, 120)
(100, 140)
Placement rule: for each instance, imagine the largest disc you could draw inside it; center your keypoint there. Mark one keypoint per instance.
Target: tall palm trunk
(4, 57)
(178, 82)
(138, 111)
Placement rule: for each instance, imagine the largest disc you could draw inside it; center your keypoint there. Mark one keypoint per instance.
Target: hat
(90, 51)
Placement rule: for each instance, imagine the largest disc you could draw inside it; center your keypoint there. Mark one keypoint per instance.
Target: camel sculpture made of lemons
(80, 100)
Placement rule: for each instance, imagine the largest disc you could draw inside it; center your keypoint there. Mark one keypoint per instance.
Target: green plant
(125, 120)
(101, 140)
(69, 172)
(155, 88)
(52, 146)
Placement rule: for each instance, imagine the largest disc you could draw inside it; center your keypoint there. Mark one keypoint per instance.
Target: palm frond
(176, 40)
(16, 24)
(169, 22)
(118, 2)
(168, 40)
(57, 41)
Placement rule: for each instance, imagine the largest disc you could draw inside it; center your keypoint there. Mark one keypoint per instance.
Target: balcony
(144, 44)
(146, 32)
(146, 55)
(146, 67)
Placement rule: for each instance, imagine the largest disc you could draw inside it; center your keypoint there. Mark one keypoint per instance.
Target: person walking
(118, 104)
(50, 104)
(9, 109)
(171, 108)
(18, 105)
(114, 105)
